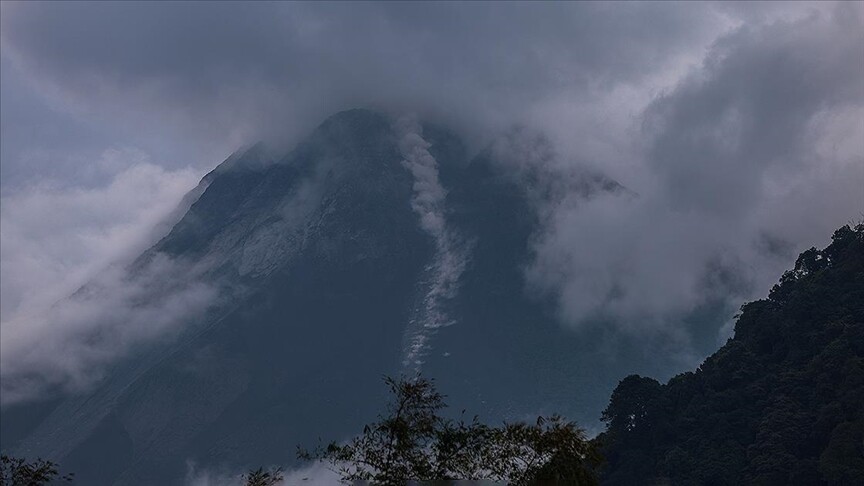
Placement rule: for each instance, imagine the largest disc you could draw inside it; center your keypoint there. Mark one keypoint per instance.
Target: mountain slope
(376, 246)
(781, 403)
(306, 250)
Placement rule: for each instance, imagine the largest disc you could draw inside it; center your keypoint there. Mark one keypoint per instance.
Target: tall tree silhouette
(413, 441)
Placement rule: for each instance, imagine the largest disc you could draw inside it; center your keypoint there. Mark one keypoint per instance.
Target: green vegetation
(414, 442)
(262, 477)
(15, 471)
(781, 403)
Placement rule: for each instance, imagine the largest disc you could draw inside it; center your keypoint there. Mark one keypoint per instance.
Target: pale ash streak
(442, 274)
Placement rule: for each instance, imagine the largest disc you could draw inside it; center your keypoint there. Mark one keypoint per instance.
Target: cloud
(233, 72)
(54, 239)
(55, 236)
(752, 157)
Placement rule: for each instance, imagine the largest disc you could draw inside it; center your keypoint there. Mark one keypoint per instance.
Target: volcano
(377, 246)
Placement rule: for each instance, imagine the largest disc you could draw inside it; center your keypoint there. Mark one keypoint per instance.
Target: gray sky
(739, 127)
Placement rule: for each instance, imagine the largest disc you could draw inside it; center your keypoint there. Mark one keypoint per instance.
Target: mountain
(781, 403)
(376, 246)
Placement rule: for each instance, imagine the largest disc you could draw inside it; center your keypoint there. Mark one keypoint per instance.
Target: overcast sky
(739, 127)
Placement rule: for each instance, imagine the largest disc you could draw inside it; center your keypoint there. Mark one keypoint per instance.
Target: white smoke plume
(451, 254)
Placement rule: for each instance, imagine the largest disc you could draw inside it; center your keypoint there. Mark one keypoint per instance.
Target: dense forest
(781, 403)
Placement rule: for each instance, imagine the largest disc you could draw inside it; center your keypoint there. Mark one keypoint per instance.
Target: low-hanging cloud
(58, 239)
(57, 234)
(67, 346)
(231, 73)
(746, 161)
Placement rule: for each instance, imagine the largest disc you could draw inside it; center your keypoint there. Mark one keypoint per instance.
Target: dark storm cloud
(254, 68)
(189, 42)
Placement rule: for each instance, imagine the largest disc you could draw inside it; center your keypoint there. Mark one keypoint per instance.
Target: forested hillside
(781, 403)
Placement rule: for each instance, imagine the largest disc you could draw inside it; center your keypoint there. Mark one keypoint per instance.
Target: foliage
(551, 451)
(780, 403)
(15, 471)
(261, 477)
(414, 442)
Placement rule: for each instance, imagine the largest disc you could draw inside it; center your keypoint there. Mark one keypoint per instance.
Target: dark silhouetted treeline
(781, 403)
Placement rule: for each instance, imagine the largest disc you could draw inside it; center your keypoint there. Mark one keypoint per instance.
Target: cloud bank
(54, 239)
(229, 72)
(747, 160)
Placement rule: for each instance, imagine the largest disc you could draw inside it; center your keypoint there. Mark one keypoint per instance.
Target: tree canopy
(414, 441)
(16, 471)
(263, 477)
(781, 403)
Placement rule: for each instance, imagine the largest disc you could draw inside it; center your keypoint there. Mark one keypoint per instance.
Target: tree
(779, 403)
(628, 406)
(15, 471)
(414, 442)
(552, 451)
(260, 477)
